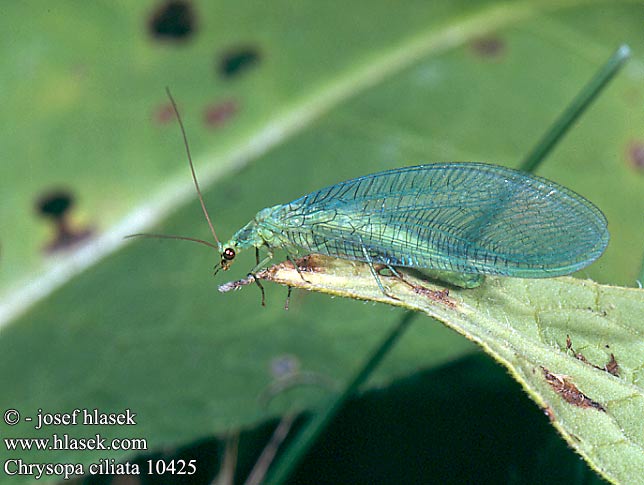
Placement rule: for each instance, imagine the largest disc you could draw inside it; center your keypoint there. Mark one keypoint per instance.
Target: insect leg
(216, 269)
(398, 275)
(417, 288)
(262, 263)
(259, 285)
(375, 273)
(439, 295)
(297, 268)
(290, 288)
(288, 298)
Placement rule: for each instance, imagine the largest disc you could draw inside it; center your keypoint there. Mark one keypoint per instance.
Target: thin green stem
(288, 461)
(575, 109)
(640, 279)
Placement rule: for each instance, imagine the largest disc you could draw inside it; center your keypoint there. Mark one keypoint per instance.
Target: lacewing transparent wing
(456, 217)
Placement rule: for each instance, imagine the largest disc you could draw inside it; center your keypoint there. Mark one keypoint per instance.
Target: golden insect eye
(228, 254)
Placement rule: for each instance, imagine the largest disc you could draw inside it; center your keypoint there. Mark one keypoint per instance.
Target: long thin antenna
(192, 169)
(169, 236)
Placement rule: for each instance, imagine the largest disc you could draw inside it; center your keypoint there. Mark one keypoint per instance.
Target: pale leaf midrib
(374, 69)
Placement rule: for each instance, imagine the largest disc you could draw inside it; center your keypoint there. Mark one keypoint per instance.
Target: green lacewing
(464, 218)
(460, 220)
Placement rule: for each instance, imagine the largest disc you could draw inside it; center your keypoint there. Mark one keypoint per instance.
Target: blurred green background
(281, 98)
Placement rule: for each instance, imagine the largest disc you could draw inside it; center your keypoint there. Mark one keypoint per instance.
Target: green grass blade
(576, 108)
(287, 462)
(640, 279)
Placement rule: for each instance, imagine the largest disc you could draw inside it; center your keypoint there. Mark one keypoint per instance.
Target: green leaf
(574, 345)
(341, 89)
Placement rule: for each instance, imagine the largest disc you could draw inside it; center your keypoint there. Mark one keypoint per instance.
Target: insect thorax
(263, 230)
(246, 237)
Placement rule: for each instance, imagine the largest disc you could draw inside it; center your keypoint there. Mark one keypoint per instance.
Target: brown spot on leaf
(582, 358)
(311, 263)
(173, 20)
(237, 61)
(612, 367)
(562, 385)
(636, 154)
(218, 114)
(441, 296)
(489, 46)
(550, 413)
(55, 205)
